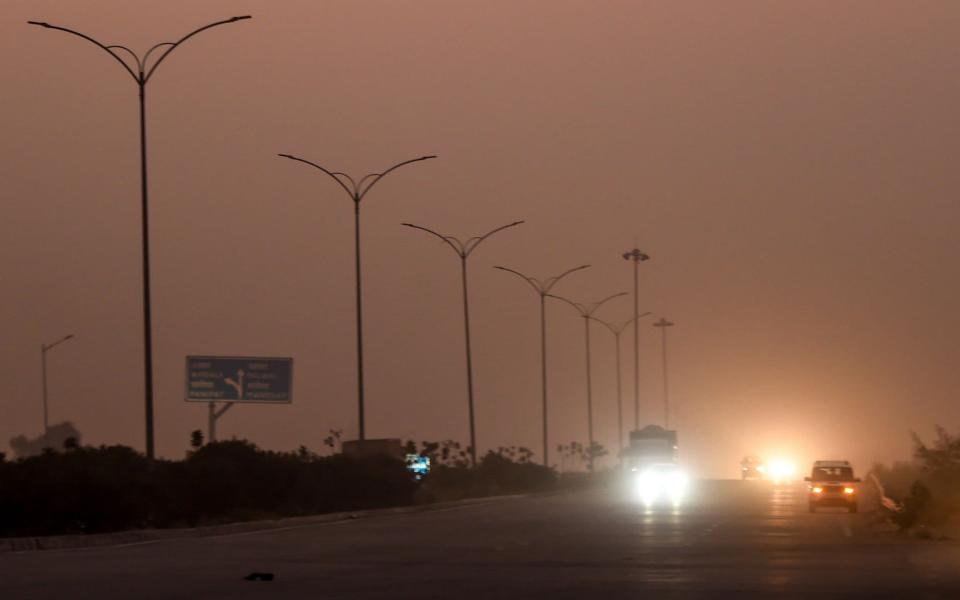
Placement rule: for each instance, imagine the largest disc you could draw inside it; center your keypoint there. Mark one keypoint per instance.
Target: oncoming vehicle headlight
(648, 483)
(781, 470)
(652, 484)
(677, 484)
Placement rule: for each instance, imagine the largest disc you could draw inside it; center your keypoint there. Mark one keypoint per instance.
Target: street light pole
(616, 329)
(586, 311)
(543, 289)
(463, 250)
(144, 71)
(44, 348)
(663, 324)
(357, 189)
(637, 257)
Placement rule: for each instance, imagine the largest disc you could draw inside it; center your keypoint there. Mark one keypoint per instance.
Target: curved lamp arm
(598, 304)
(356, 189)
(106, 49)
(473, 242)
(449, 240)
(174, 45)
(553, 280)
(378, 176)
(140, 77)
(332, 175)
(534, 283)
(576, 305)
(46, 347)
(617, 328)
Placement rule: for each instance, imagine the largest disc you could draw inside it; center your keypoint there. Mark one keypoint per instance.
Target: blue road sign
(239, 379)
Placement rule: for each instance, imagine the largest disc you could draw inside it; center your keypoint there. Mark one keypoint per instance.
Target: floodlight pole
(464, 248)
(44, 348)
(663, 324)
(636, 256)
(586, 312)
(144, 71)
(616, 329)
(543, 289)
(357, 189)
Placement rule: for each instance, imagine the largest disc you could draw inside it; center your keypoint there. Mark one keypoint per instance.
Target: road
(731, 539)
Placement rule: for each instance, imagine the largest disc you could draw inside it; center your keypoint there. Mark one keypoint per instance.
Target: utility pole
(357, 189)
(663, 324)
(141, 75)
(464, 248)
(637, 257)
(586, 312)
(44, 348)
(543, 290)
(616, 329)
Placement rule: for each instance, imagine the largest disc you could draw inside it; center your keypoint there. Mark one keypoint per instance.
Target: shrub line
(142, 536)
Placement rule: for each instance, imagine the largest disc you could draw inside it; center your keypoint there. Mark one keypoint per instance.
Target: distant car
(752, 467)
(831, 483)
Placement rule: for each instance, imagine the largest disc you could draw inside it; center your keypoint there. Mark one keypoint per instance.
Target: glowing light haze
(790, 168)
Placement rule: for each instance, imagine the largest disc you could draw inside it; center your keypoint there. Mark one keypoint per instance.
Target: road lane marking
(845, 527)
(711, 528)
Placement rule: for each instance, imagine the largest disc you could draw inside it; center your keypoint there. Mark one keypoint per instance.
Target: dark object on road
(259, 576)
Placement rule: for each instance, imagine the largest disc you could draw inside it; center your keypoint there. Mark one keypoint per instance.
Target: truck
(648, 446)
(650, 462)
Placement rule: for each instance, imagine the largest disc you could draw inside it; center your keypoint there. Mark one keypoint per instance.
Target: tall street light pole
(637, 257)
(44, 348)
(586, 311)
(357, 189)
(463, 250)
(616, 329)
(663, 324)
(543, 289)
(141, 75)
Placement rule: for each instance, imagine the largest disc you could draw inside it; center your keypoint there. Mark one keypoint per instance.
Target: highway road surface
(731, 539)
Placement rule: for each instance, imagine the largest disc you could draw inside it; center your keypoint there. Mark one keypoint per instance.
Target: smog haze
(789, 168)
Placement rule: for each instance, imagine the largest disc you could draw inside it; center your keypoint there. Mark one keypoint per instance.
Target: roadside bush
(927, 489)
(496, 474)
(84, 490)
(89, 490)
(913, 507)
(111, 488)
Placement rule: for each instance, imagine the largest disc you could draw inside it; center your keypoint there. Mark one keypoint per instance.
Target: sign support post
(213, 416)
(231, 380)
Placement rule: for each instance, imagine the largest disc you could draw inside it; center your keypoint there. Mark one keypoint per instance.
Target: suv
(831, 483)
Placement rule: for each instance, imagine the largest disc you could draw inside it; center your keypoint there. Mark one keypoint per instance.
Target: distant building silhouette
(56, 440)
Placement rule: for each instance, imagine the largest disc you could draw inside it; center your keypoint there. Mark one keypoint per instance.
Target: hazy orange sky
(788, 165)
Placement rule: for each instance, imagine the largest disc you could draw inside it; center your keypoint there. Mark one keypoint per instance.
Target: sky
(789, 167)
